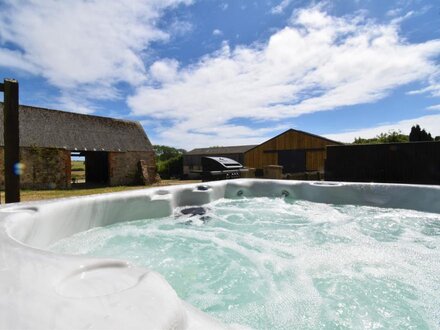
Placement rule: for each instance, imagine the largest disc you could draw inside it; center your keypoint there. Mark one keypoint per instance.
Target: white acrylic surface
(43, 290)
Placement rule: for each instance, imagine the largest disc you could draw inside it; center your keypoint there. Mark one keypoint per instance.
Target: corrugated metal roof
(72, 131)
(220, 150)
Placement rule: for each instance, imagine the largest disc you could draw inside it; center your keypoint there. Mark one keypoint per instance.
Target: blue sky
(202, 72)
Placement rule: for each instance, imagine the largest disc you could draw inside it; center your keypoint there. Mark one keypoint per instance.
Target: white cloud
(400, 19)
(222, 135)
(394, 12)
(217, 32)
(434, 107)
(92, 44)
(164, 70)
(430, 123)
(16, 60)
(317, 63)
(224, 6)
(179, 28)
(68, 102)
(278, 9)
(433, 87)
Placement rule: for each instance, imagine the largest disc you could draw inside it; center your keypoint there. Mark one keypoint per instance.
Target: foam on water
(284, 264)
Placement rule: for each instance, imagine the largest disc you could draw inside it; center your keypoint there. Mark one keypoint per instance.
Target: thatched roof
(221, 150)
(46, 128)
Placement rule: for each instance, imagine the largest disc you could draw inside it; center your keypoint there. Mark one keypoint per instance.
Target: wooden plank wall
(266, 153)
(315, 160)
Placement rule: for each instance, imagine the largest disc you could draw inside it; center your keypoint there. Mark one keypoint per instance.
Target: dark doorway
(293, 161)
(97, 169)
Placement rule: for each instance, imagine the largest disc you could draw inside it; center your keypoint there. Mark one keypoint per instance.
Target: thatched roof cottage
(117, 152)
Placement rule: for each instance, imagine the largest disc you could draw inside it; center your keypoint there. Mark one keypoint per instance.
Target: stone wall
(124, 167)
(44, 168)
(47, 168)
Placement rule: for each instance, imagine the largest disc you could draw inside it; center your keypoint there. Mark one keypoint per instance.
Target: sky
(200, 73)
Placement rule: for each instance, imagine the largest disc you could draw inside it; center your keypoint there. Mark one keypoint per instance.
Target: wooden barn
(117, 152)
(192, 160)
(295, 150)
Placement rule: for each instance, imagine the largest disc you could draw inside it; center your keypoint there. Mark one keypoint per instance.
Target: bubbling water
(283, 264)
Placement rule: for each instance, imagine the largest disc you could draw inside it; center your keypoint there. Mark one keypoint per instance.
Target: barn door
(293, 161)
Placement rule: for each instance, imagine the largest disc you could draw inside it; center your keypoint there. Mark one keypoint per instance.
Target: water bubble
(271, 264)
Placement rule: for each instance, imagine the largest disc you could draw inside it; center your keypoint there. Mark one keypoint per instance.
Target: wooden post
(11, 138)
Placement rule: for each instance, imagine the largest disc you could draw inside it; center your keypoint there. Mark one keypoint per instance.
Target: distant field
(78, 166)
(78, 171)
(33, 195)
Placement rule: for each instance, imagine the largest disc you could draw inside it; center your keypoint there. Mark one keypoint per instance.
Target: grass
(34, 195)
(78, 166)
(78, 171)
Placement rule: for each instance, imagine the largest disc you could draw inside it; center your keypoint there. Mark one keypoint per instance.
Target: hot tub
(40, 289)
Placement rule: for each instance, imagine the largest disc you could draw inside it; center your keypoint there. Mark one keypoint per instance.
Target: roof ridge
(73, 113)
(234, 146)
(81, 114)
(298, 131)
(50, 128)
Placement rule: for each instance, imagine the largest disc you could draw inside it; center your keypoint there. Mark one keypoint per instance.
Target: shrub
(171, 168)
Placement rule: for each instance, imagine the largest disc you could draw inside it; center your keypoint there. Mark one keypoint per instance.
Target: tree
(418, 134)
(390, 137)
(171, 168)
(169, 161)
(164, 153)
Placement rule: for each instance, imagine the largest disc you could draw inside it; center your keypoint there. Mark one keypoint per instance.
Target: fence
(413, 162)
